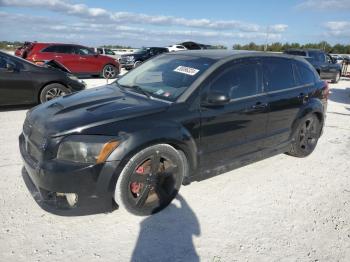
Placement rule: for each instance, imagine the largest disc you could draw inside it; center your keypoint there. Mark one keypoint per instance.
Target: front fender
(171, 133)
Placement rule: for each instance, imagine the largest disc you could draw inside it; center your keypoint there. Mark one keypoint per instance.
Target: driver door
(236, 129)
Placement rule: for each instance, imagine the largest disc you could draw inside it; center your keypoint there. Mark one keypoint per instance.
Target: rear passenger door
(236, 129)
(66, 55)
(286, 95)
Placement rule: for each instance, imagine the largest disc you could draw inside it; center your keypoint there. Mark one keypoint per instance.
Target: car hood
(56, 64)
(80, 111)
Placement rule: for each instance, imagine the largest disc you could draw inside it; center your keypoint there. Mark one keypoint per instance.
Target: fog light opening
(72, 199)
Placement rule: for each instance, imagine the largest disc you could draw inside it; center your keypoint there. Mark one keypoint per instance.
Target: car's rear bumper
(92, 184)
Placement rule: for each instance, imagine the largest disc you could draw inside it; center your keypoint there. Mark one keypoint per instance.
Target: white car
(107, 52)
(174, 48)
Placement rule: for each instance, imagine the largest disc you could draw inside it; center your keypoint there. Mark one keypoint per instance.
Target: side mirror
(10, 67)
(216, 99)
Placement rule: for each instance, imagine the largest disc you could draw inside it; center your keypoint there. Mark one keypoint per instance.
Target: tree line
(280, 47)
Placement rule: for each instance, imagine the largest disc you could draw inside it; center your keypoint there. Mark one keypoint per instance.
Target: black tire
(137, 63)
(52, 91)
(109, 72)
(306, 136)
(151, 180)
(337, 78)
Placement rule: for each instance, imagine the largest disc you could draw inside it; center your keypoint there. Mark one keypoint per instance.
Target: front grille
(35, 141)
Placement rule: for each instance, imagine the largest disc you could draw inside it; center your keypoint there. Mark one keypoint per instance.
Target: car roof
(304, 49)
(230, 54)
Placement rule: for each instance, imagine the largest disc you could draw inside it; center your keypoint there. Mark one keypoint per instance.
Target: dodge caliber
(177, 118)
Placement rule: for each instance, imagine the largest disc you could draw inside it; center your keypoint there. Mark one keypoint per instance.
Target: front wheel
(306, 137)
(109, 72)
(150, 180)
(52, 91)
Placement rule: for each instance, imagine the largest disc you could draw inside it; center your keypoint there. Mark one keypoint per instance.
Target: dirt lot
(279, 209)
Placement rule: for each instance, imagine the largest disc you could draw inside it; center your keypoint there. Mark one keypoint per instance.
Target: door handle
(303, 96)
(58, 56)
(259, 105)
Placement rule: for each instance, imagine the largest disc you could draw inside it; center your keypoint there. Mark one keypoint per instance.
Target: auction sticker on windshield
(186, 70)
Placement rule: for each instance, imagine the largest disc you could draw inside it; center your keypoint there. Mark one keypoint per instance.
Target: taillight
(325, 90)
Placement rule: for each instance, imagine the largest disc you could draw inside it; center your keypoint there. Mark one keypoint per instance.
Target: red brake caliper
(135, 187)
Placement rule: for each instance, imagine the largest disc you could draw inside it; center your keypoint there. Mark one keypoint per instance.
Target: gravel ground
(279, 209)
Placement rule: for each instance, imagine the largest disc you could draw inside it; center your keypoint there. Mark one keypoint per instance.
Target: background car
(107, 52)
(139, 56)
(325, 65)
(22, 82)
(80, 60)
(174, 48)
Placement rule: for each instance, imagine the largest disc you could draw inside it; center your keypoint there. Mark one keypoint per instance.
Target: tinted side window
(278, 74)
(296, 52)
(64, 49)
(305, 75)
(317, 56)
(238, 81)
(83, 51)
(3, 62)
(50, 49)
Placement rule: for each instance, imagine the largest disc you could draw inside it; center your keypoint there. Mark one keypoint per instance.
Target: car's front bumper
(52, 179)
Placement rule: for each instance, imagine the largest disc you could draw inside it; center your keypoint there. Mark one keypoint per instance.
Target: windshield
(141, 51)
(167, 76)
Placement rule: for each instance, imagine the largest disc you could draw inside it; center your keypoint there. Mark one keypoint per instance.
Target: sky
(161, 22)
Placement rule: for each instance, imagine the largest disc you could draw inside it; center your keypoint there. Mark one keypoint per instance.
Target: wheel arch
(133, 143)
(313, 107)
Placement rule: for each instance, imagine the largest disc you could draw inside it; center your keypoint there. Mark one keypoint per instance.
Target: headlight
(130, 58)
(86, 152)
(73, 77)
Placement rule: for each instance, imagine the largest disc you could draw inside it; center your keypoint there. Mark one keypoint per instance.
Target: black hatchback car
(22, 82)
(177, 118)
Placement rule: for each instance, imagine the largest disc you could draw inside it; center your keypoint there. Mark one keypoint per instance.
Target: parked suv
(135, 59)
(177, 118)
(80, 60)
(325, 65)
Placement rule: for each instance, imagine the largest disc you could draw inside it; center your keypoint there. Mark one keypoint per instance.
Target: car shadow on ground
(15, 108)
(340, 95)
(168, 235)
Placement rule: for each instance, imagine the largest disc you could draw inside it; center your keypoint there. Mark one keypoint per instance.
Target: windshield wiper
(137, 89)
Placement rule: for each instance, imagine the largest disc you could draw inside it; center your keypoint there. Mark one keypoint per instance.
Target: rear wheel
(150, 180)
(52, 91)
(306, 137)
(337, 78)
(137, 63)
(109, 72)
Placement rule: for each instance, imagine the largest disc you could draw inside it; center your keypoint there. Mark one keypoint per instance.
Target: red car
(78, 59)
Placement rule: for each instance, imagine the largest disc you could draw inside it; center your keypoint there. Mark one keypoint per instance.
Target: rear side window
(238, 81)
(50, 49)
(296, 52)
(278, 74)
(64, 49)
(3, 62)
(317, 56)
(304, 74)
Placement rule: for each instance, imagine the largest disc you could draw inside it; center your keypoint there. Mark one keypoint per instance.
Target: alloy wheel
(308, 135)
(53, 93)
(109, 72)
(152, 183)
